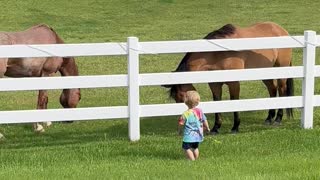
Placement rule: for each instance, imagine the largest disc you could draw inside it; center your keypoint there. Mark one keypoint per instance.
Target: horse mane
(221, 33)
(183, 63)
(41, 25)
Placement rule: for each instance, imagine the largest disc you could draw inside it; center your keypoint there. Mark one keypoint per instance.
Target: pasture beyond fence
(133, 80)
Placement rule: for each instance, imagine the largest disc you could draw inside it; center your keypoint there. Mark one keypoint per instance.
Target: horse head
(69, 97)
(178, 91)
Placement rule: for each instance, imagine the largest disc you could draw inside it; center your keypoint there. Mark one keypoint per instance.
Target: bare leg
(196, 153)
(189, 154)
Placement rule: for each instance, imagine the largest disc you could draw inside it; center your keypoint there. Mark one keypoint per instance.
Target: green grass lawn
(100, 149)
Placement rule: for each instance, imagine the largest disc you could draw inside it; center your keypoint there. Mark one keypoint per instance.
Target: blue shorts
(190, 145)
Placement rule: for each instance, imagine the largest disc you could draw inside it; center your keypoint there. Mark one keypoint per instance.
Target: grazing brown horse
(40, 67)
(224, 60)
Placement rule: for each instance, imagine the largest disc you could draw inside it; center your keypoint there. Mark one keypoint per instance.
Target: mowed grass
(100, 149)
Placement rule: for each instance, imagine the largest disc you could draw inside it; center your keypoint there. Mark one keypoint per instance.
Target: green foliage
(101, 150)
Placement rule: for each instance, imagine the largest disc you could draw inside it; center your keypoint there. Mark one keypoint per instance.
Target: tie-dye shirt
(192, 119)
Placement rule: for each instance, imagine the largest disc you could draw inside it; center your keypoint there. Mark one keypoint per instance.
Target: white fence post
(309, 53)
(133, 94)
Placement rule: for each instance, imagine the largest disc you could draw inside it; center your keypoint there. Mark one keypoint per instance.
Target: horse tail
(290, 92)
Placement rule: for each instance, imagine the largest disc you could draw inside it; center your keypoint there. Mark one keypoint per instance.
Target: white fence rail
(133, 80)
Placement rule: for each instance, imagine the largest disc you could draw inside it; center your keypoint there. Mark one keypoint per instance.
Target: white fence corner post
(133, 92)
(309, 54)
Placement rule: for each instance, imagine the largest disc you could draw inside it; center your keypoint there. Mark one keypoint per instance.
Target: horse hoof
(39, 129)
(234, 131)
(2, 137)
(47, 124)
(277, 123)
(214, 133)
(267, 122)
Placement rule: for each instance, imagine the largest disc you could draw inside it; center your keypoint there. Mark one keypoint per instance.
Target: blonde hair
(192, 99)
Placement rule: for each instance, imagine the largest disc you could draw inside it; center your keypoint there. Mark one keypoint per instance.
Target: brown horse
(224, 60)
(40, 67)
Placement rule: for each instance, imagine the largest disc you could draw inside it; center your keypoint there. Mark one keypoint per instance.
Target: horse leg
(42, 104)
(282, 86)
(285, 86)
(234, 90)
(216, 89)
(272, 89)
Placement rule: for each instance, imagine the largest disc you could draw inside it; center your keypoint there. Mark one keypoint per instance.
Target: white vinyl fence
(133, 80)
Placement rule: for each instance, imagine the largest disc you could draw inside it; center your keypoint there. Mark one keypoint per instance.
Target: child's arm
(205, 122)
(180, 125)
(206, 125)
(179, 129)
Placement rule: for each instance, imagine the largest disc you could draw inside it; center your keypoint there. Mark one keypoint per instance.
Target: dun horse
(40, 67)
(225, 60)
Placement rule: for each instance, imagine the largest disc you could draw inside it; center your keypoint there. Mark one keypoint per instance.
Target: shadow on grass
(22, 136)
(253, 121)
(61, 134)
(154, 150)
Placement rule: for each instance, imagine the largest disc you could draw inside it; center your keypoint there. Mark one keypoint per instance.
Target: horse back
(264, 29)
(261, 58)
(264, 57)
(39, 34)
(26, 67)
